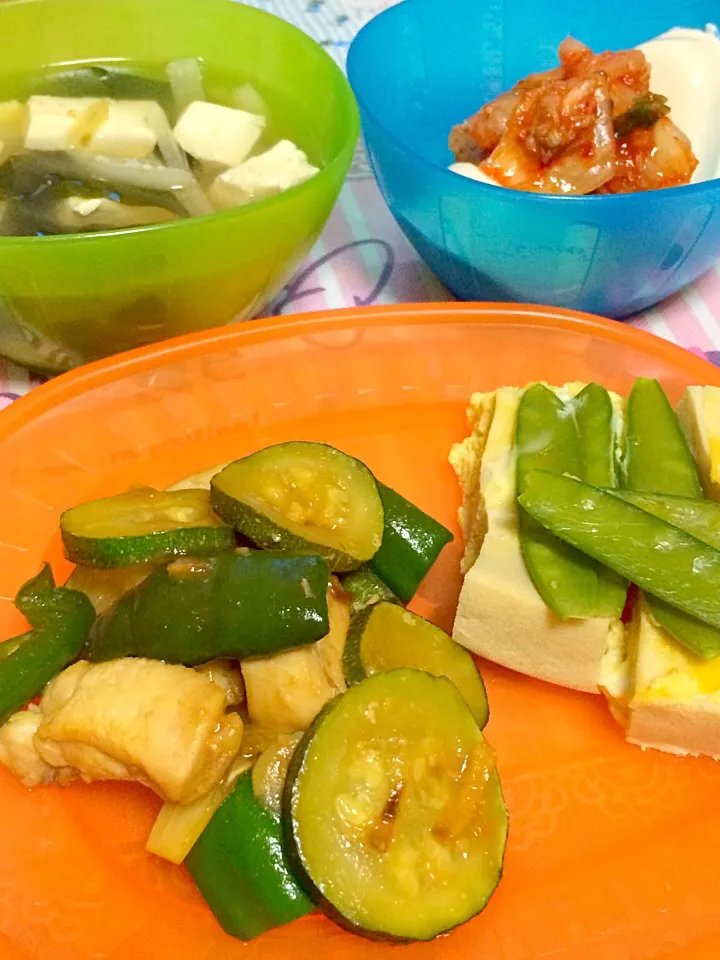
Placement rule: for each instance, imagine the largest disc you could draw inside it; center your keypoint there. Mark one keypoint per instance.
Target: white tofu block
(63, 123)
(13, 118)
(126, 133)
(216, 134)
(279, 168)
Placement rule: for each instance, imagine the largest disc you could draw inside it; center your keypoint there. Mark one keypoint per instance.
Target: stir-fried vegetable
(240, 867)
(207, 661)
(143, 525)
(244, 604)
(60, 621)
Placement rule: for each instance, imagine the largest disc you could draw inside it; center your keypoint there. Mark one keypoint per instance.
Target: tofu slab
(500, 614)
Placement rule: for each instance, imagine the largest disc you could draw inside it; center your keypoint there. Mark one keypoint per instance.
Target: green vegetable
(700, 518)
(240, 867)
(60, 621)
(644, 111)
(411, 543)
(595, 420)
(393, 811)
(698, 637)
(661, 559)
(306, 498)
(233, 605)
(96, 81)
(143, 525)
(658, 458)
(659, 461)
(547, 439)
(366, 588)
(386, 636)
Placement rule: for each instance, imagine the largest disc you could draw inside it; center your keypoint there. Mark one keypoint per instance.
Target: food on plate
(394, 816)
(582, 444)
(411, 543)
(387, 636)
(596, 124)
(204, 647)
(639, 516)
(286, 691)
(253, 890)
(143, 526)
(303, 496)
(60, 620)
(235, 604)
(132, 719)
(534, 640)
(103, 148)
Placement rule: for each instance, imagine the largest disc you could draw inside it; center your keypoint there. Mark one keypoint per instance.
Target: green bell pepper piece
(232, 605)
(658, 458)
(594, 417)
(411, 543)
(240, 868)
(547, 439)
(60, 621)
(661, 559)
(366, 589)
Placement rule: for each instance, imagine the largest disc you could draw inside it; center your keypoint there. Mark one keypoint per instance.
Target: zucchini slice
(303, 497)
(394, 817)
(141, 526)
(387, 636)
(412, 541)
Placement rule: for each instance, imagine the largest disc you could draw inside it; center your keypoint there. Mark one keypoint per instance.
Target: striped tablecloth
(362, 257)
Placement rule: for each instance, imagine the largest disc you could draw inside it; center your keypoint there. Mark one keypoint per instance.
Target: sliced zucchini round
(394, 816)
(304, 497)
(387, 636)
(142, 526)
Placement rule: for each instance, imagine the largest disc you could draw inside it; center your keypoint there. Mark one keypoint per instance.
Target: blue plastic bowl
(424, 65)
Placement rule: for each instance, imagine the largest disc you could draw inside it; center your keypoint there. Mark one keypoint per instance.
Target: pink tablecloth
(362, 257)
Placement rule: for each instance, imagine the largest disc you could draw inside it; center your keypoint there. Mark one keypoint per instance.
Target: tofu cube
(216, 134)
(12, 128)
(126, 133)
(279, 168)
(63, 123)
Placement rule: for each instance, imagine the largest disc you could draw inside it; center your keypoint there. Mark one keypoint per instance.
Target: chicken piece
(17, 751)
(160, 724)
(226, 674)
(652, 157)
(285, 692)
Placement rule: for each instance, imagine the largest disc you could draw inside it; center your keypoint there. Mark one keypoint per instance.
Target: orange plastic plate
(614, 854)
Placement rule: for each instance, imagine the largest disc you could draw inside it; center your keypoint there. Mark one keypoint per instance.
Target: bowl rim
(347, 111)
(503, 194)
(218, 340)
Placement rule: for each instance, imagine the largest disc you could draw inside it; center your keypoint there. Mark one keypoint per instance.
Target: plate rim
(98, 373)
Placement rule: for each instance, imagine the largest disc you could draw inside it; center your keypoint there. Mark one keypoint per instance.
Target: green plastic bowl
(65, 300)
